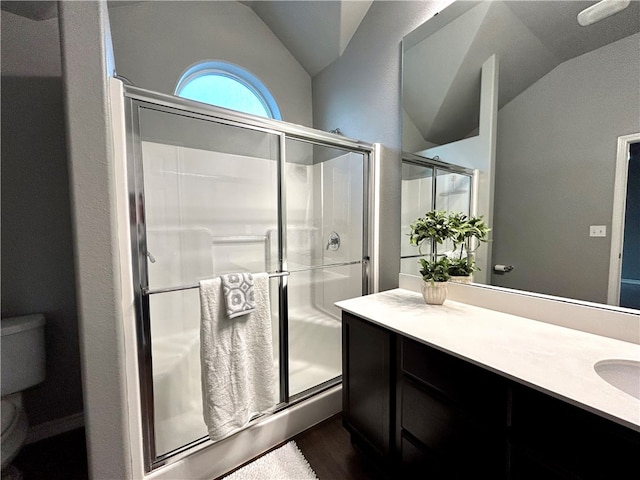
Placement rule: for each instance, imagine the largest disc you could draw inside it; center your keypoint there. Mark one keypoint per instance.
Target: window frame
(233, 72)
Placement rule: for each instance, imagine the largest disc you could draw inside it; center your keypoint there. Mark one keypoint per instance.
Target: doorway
(624, 275)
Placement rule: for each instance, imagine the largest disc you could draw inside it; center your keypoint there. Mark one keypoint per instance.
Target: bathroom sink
(622, 374)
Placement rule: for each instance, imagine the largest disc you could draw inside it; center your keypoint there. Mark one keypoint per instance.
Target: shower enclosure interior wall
(213, 192)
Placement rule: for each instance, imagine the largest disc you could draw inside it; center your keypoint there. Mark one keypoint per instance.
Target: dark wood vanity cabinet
(367, 383)
(426, 413)
(420, 410)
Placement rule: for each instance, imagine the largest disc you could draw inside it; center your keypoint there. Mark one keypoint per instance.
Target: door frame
(618, 218)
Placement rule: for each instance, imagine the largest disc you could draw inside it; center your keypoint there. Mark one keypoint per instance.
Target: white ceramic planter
(434, 293)
(467, 279)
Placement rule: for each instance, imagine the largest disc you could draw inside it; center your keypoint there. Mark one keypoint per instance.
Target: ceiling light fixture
(601, 10)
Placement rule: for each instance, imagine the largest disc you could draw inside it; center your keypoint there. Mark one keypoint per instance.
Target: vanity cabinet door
(367, 384)
(567, 442)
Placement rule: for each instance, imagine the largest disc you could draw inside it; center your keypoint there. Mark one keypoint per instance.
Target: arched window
(227, 85)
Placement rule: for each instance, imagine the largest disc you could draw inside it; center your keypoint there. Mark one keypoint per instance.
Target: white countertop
(553, 359)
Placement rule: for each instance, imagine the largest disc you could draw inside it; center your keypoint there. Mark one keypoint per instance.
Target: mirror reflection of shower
(429, 184)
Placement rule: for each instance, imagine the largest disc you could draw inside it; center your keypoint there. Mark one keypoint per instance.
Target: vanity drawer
(450, 433)
(472, 388)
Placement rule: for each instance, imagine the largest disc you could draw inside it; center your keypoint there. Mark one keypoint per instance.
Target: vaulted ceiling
(441, 77)
(43, 10)
(316, 32)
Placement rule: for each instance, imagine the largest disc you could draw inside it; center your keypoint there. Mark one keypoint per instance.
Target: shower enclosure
(212, 192)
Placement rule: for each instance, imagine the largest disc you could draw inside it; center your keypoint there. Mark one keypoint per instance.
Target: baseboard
(54, 427)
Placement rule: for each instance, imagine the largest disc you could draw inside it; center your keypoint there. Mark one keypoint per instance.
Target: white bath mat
(284, 463)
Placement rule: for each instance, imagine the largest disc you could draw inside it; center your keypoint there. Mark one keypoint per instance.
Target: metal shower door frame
(137, 99)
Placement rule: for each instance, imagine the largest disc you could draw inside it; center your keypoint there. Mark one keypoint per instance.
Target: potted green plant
(466, 233)
(435, 274)
(433, 227)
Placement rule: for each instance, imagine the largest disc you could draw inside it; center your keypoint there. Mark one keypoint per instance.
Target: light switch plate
(598, 231)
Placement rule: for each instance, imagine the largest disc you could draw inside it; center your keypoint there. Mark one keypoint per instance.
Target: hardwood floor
(326, 446)
(328, 449)
(63, 457)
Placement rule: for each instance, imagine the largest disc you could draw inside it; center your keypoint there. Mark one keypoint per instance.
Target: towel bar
(146, 291)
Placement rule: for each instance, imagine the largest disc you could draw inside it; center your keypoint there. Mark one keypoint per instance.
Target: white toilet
(23, 366)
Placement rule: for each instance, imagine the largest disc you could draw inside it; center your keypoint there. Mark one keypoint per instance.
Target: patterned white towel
(238, 294)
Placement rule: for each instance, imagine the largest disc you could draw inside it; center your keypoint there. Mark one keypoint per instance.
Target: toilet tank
(23, 356)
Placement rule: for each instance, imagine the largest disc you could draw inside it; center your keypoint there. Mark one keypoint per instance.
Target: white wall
(156, 42)
(555, 165)
(37, 249)
(85, 52)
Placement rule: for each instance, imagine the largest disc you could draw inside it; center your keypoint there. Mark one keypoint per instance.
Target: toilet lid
(9, 415)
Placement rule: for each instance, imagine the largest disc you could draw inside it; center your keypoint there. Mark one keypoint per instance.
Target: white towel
(238, 378)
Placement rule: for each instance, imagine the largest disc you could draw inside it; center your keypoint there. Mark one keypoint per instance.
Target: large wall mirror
(567, 111)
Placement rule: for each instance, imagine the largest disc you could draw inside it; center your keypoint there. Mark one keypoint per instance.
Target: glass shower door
(212, 193)
(324, 245)
(209, 205)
